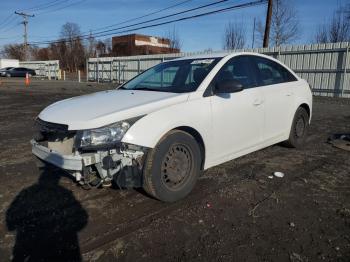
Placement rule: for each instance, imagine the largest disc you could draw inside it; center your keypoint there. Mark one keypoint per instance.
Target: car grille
(51, 131)
(54, 136)
(47, 127)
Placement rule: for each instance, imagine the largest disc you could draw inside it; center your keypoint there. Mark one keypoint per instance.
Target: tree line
(72, 52)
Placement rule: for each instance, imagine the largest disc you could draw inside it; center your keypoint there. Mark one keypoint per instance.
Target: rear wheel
(172, 167)
(299, 130)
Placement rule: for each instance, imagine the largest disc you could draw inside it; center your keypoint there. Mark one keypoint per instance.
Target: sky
(195, 34)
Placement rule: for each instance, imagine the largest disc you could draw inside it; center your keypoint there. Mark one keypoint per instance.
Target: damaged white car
(162, 128)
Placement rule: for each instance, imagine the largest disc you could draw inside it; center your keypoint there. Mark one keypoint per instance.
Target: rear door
(237, 118)
(278, 90)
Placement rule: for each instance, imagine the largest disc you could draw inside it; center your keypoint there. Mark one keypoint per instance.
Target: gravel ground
(235, 213)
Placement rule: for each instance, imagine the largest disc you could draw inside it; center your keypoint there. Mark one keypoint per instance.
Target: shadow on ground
(46, 218)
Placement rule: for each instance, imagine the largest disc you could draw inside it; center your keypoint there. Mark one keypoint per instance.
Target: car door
(22, 72)
(237, 118)
(277, 87)
(16, 72)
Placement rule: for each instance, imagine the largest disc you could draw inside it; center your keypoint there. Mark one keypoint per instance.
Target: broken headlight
(103, 136)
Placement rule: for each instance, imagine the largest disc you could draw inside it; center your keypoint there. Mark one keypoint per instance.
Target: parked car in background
(4, 70)
(19, 72)
(162, 128)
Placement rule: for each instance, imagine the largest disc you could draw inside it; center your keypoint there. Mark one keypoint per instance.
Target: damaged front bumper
(124, 165)
(67, 162)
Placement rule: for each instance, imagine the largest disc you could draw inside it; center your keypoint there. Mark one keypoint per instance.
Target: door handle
(290, 94)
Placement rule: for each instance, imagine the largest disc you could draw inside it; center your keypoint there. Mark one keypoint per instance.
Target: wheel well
(193, 132)
(306, 107)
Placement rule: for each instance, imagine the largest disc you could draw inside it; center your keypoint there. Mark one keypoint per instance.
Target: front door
(237, 118)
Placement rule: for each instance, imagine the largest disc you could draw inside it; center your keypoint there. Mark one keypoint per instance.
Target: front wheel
(172, 167)
(299, 130)
(8, 75)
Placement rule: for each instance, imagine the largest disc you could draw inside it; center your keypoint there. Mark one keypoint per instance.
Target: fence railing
(325, 66)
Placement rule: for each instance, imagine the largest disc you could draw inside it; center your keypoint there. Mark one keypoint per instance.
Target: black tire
(172, 167)
(299, 129)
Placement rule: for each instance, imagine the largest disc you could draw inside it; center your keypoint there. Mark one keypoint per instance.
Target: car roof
(221, 55)
(229, 55)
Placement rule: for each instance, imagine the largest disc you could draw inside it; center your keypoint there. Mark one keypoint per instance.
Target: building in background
(135, 44)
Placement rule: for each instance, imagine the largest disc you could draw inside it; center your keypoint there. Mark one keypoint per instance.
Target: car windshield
(179, 76)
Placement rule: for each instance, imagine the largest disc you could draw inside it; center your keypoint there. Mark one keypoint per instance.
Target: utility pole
(268, 24)
(25, 35)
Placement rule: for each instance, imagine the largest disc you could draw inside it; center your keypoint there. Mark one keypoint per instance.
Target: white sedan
(162, 128)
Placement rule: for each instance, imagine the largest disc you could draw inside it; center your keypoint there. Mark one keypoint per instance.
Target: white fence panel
(324, 66)
(49, 69)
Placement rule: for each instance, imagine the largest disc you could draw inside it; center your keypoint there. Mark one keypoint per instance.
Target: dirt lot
(235, 213)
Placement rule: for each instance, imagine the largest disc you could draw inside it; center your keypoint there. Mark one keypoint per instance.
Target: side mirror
(228, 86)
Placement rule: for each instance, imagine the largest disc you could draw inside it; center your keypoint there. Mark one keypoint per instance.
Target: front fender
(151, 128)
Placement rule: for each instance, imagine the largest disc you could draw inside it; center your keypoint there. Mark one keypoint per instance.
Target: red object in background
(27, 81)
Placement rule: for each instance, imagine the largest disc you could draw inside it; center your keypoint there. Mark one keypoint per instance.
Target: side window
(237, 68)
(271, 73)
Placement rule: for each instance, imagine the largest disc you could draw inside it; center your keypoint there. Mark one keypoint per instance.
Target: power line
(6, 19)
(8, 22)
(143, 16)
(164, 17)
(9, 28)
(240, 6)
(45, 5)
(136, 18)
(151, 20)
(60, 8)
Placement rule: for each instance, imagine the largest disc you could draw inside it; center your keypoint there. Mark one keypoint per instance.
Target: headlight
(107, 135)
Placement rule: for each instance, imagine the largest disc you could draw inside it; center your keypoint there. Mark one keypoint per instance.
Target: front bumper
(67, 162)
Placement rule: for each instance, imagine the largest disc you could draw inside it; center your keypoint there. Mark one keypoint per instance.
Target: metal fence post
(64, 75)
(97, 72)
(49, 71)
(79, 76)
(345, 71)
(87, 70)
(110, 71)
(119, 72)
(138, 66)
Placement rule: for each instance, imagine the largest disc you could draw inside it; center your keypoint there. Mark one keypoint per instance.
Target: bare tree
(175, 40)
(284, 23)
(234, 36)
(74, 55)
(14, 51)
(337, 30)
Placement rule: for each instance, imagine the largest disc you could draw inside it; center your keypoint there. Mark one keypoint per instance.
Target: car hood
(106, 107)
